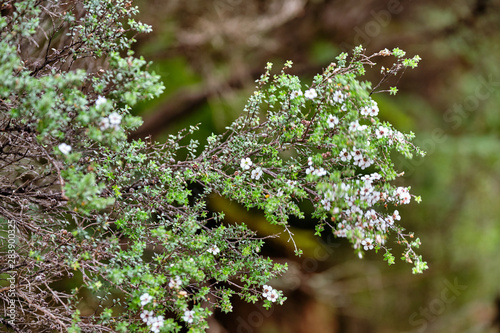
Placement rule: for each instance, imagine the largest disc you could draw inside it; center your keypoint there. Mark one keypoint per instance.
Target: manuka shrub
(79, 201)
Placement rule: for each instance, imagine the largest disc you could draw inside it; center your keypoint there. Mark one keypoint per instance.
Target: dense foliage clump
(80, 201)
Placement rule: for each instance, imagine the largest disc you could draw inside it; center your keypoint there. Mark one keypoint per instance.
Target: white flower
(396, 216)
(373, 109)
(269, 293)
(366, 178)
(403, 194)
(341, 233)
(104, 124)
(332, 121)
(367, 244)
(246, 163)
(100, 101)
(188, 316)
(64, 148)
(145, 299)
(156, 324)
(370, 110)
(319, 172)
(256, 173)
(366, 191)
(295, 94)
(382, 132)
(345, 187)
(326, 204)
(362, 128)
(353, 126)
(345, 156)
(330, 195)
(311, 94)
(343, 108)
(175, 283)
(291, 183)
(338, 97)
(309, 161)
(266, 290)
(356, 154)
(272, 296)
(365, 111)
(379, 239)
(213, 249)
(147, 316)
(309, 170)
(365, 162)
(115, 119)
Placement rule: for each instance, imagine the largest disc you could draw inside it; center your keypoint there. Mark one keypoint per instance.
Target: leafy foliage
(121, 216)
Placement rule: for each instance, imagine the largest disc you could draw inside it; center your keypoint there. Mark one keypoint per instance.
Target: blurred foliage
(209, 53)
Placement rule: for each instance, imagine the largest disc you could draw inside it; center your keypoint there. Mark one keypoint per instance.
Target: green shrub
(119, 217)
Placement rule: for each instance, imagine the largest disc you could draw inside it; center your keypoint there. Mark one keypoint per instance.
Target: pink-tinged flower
(145, 299)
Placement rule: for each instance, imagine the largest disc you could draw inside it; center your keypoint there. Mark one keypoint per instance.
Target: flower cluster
(246, 164)
(355, 202)
(370, 110)
(111, 121)
(369, 224)
(148, 317)
(188, 316)
(270, 293)
(175, 283)
(403, 194)
(319, 172)
(359, 158)
(348, 169)
(155, 322)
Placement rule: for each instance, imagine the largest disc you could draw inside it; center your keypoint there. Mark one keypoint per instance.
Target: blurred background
(210, 52)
